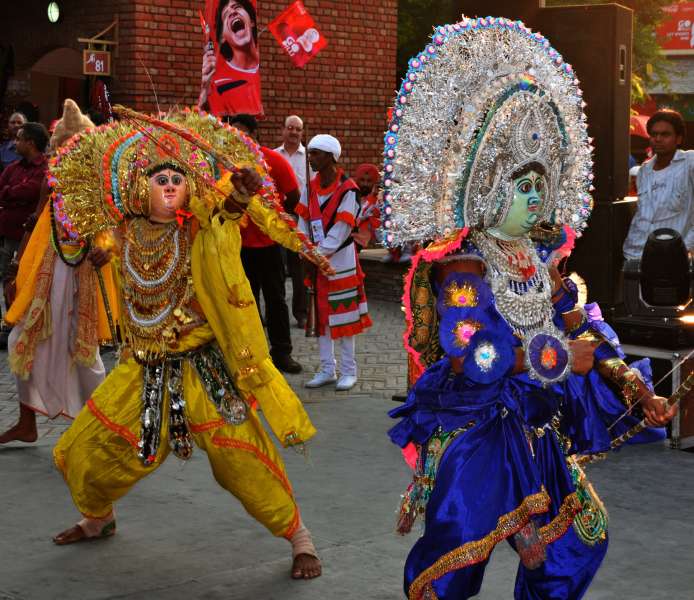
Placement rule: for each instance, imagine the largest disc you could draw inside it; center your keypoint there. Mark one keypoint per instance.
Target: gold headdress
(111, 164)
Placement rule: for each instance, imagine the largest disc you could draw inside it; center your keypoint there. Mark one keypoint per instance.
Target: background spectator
(20, 187)
(8, 150)
(262, 258)
(665, 185)
(295, 153)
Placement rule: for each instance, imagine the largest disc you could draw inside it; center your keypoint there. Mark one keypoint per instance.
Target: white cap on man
(326, 143)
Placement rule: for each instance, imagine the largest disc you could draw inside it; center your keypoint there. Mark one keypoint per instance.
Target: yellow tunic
(98, 453)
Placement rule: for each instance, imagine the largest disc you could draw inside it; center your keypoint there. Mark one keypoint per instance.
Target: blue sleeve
(470, 327)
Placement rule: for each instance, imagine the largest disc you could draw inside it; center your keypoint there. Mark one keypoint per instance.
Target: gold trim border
(479, 550)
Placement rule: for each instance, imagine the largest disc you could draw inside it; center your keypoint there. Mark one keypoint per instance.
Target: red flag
(295, 30)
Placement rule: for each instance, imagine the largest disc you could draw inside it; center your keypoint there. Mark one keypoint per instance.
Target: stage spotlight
(658, 295)
(665, 269)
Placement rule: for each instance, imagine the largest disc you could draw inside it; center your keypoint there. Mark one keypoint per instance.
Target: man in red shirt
(20, 187)
(262, 259)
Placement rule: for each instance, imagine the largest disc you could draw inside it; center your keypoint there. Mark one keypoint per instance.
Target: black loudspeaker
(597, 257)
(596, 40)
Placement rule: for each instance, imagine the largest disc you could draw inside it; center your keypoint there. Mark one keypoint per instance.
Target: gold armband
(627, 380)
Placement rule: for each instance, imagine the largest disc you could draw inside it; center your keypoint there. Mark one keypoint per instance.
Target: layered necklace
(519, 280)
(157, 284)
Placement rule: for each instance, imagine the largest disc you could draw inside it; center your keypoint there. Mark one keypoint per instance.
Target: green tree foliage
(416, 22)
(649, 66)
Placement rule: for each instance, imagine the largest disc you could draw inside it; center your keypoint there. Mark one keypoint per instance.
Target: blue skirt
(506, 467)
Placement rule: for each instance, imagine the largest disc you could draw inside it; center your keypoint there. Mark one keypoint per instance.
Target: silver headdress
(486, 98)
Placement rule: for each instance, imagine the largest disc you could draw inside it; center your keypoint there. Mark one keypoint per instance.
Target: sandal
(77, 533)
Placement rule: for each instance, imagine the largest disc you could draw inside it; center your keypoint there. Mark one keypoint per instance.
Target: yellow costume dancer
(195, 365)
(57, 315)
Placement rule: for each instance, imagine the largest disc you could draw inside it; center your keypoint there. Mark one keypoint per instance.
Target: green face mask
(528, 197)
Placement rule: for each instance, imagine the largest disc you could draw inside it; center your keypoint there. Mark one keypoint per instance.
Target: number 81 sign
(96, 62)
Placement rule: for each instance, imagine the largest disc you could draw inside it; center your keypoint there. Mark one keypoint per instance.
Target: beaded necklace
(157, 285)
(519, 280)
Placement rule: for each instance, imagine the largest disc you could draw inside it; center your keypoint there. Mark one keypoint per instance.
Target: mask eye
(540, 185)
(162, 180)
(525, 186)
(177, 179)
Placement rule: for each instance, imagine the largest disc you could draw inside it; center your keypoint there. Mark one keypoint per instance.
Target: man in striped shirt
(665, 186)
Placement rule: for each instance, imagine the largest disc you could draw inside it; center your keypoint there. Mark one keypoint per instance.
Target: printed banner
(231, 59)
(295, 30)
(676, 32)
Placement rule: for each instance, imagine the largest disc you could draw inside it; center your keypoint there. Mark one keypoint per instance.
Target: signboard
(296, 31)
(676, 33)
(231, 58)
(96, 62)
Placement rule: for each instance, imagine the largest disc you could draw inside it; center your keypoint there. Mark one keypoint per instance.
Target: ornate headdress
(485, 99)
(101, 177)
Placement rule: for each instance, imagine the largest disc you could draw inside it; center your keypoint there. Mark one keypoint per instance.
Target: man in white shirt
(665, 186)
(294, 151)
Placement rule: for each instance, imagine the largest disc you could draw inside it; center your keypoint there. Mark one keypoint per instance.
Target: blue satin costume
(507, 463)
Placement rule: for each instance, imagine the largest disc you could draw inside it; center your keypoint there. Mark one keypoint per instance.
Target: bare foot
(306, 566)
(19, 433)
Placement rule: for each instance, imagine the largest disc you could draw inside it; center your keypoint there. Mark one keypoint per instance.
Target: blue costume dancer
(517, 384)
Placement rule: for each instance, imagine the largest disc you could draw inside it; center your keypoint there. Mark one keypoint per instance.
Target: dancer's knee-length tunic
(58, 322)
(492, 450)
(222, 355)
(343, 309)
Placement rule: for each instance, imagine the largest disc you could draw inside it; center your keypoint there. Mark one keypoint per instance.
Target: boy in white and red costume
(329, 217)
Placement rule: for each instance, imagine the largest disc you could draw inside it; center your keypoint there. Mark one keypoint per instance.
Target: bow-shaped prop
(269, 199)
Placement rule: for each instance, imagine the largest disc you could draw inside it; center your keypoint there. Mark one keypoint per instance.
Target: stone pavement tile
(360, 575)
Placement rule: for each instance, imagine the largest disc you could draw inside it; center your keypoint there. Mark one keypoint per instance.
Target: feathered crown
(486, 98)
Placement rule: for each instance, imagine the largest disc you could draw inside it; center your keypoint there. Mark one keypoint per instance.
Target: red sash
(326, 215)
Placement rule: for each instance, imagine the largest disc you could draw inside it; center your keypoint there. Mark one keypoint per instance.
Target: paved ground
(181, 536)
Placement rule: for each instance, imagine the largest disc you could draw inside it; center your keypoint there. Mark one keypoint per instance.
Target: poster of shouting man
(231, 61)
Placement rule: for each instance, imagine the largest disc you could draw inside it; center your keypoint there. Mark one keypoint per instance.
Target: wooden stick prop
(679, 395)
(107, 308)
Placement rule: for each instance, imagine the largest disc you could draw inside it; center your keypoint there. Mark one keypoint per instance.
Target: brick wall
(344, 91)
(383, 281)
(25, 26)
(347, 88)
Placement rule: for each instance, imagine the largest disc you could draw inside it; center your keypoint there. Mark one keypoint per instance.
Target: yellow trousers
(98, 453)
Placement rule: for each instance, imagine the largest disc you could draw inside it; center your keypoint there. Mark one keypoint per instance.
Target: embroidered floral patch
(485, 356)
(464, 330)
(461, 296)
(548, 357)
(490, 356)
